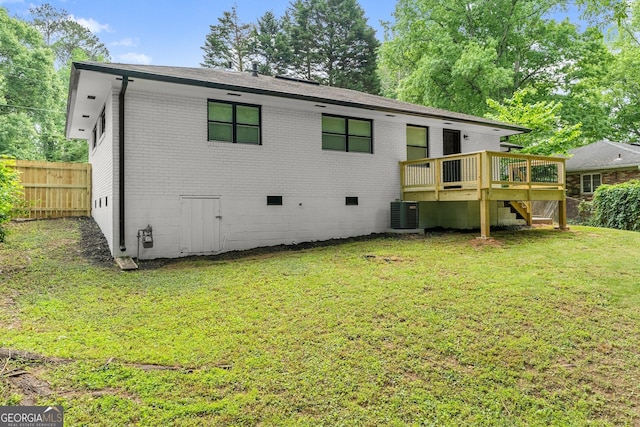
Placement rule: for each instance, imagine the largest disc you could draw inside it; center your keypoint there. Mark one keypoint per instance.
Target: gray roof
(603, 155)
(282, 87)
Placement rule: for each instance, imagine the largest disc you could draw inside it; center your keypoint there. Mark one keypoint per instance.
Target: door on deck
(451, 145)
(200, 225)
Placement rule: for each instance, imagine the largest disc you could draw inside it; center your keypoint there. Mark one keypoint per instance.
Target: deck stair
(523, 209)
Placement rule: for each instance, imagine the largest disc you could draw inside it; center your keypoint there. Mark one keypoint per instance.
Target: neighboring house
(217, 161)
(602, 162)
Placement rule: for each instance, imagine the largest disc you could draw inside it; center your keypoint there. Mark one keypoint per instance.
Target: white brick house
(217, 161)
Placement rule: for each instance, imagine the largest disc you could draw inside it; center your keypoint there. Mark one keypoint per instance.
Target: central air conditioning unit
(404, 215)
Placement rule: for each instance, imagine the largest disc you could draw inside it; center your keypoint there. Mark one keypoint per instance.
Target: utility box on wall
(404, 215)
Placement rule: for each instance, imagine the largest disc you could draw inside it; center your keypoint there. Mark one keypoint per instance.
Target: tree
(271, 45)
(65, 36)
(348, 46)
(328, 41)
(10, 192)
(30, 92)
(228, 44)
(303, 29)
(622, 88)
(550, 134)
(455, 54)
(333, 44)
(584, 87)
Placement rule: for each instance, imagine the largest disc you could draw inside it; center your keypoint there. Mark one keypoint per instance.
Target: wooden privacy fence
(54, 190)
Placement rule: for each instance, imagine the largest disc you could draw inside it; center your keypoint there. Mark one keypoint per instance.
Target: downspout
(123, 90)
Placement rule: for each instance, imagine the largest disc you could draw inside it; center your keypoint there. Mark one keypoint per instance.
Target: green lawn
(539, 327)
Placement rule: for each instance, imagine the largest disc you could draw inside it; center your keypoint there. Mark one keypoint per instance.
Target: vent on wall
(351, 201)
(274, 200)
(404, 215)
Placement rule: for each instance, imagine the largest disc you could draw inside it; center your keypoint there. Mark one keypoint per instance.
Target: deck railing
(483, 170)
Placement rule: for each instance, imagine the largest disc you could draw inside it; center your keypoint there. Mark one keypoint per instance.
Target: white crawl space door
(200, 224)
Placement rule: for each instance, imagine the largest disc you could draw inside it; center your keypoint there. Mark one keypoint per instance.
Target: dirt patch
(93, 245)
(260, 252)
(383, 259)
(22, 372)
(481, 243)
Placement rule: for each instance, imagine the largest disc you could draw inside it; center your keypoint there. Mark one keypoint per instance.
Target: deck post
(485, 216)
(562, 213)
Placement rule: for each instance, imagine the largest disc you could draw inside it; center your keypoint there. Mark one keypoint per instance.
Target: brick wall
(608, 177)
(168, 156)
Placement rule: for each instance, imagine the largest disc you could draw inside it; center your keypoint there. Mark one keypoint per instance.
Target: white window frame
(589, 177)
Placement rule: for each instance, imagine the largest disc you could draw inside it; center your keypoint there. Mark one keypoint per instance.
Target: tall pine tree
(333, 44)
(271, 45)
(229, 43)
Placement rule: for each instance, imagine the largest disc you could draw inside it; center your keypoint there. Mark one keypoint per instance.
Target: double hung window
(232, 122)
(347, 134)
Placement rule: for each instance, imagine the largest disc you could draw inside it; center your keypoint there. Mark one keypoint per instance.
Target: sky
(161, 32)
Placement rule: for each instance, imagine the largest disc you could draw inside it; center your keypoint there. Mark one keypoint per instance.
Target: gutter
(121, 188)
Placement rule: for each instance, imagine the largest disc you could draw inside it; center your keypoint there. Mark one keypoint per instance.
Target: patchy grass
(536, 327)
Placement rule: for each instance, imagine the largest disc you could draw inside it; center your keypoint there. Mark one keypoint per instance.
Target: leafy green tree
(584, 85)
(550, 134)
(622, 88)
(605, 11)
(31, 97)
(229, 43)
(455, 54)
(10, 192)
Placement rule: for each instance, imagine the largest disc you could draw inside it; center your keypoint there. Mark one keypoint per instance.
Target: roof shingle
(267, 85)
(603, 155)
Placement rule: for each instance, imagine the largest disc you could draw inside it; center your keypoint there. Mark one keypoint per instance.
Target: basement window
(234, 122)
(274, 200)
(351, 201)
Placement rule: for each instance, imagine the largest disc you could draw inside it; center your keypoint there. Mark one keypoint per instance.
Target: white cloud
(128, 42)
(94, 26)
(134, 58)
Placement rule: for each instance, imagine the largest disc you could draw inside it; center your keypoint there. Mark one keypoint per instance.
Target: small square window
(351, 201)
(274, 200)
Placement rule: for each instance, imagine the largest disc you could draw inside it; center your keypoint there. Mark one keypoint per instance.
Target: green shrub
(585, 213)
(11, 192)
(618, 206)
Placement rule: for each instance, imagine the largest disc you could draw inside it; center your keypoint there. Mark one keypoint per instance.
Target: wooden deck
(487, 176)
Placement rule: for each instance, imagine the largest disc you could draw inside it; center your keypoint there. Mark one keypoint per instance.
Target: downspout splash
(123, 91)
